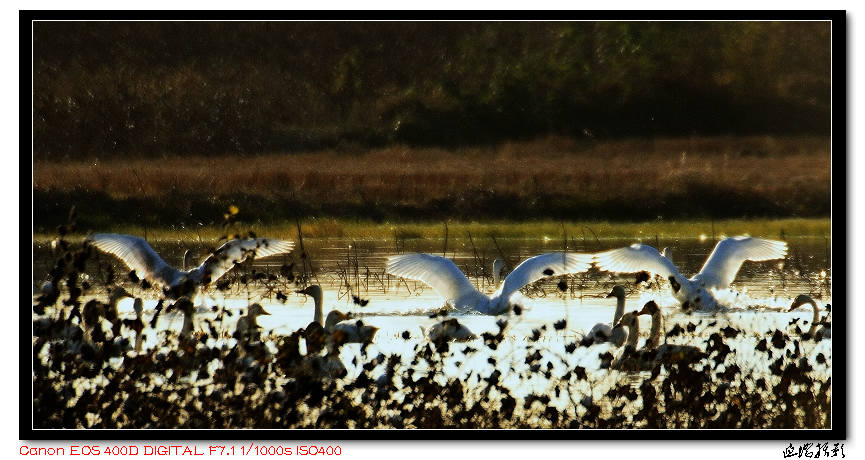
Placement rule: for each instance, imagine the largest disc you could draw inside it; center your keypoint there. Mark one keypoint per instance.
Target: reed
(553, 178)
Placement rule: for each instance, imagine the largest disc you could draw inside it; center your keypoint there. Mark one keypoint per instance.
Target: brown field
(553, 177)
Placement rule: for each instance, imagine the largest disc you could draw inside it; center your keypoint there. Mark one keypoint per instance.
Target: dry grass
(763, 166)
(550, 179)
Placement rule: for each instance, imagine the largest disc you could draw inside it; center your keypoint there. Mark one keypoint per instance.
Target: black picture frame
(840, 118)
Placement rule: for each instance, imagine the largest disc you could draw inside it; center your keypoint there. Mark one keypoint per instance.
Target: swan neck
(655, 334)
(816, 320)
(633, 333)
(319, 314)
(620, 309)
(187, 323)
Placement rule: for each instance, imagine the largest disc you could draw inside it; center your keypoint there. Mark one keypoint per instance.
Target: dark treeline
(165, 88)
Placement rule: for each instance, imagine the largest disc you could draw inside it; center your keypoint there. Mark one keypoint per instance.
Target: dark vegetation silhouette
(156, 89)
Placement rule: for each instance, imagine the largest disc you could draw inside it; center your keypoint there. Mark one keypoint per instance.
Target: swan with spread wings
(448, 281)
(140, 257)
(717, 273)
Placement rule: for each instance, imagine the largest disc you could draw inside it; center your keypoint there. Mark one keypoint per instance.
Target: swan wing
(236, 251)
(439, 273)
(542, 266)
(137, 255)
(636, 258)
(722, 265)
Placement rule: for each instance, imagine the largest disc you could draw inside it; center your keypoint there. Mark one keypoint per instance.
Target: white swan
(139, 256)
(717, 273)
(824, 331)
(247, 325)
(449, 282)
(336, 324)
(603, 332)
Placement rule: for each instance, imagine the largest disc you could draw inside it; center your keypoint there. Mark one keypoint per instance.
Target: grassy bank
(547, 179)
(358, 229)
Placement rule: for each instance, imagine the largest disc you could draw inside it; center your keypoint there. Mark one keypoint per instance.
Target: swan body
(717, 273)
(817, 331)
(448, 330)
(449, 282)
(139, 256)
(603, 332)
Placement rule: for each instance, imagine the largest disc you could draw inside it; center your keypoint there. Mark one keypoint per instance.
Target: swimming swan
(139, 256)
(336, 323)
(717, 273)
(654, 352)
(631, 325)
(449, 282)
(603, 332)
(825, 331)
(450, 329)
(247, 325)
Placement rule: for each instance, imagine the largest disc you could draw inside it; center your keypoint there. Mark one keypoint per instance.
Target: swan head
(650, 308)
(188, 260)
(313, 290)
(629, 319)
(800, 300)
(334, 317)
(256, 310)
(617, 292)
(668, 253)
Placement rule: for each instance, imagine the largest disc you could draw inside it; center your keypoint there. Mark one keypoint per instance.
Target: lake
(401, 309)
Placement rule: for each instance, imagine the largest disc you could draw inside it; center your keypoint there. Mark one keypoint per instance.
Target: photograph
(583, 225)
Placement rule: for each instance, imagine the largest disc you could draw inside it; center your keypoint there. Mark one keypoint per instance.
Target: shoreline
(552, 230)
